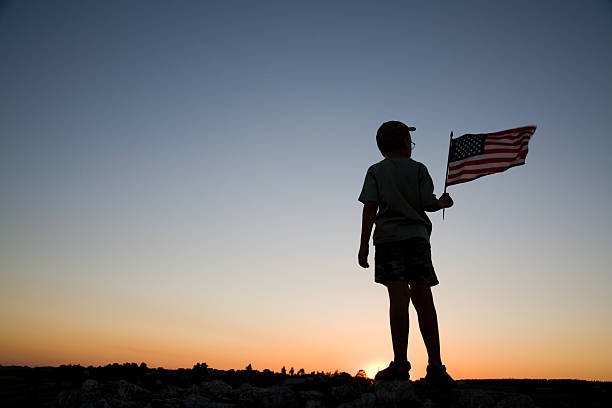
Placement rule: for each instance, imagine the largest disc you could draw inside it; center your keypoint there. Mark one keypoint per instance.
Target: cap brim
(411, 128)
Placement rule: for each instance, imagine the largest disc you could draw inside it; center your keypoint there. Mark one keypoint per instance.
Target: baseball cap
(395, 126)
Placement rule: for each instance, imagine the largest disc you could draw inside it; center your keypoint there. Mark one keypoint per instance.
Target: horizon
(180, 181)
(296, 371)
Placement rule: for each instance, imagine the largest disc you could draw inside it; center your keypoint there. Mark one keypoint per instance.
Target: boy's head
(393, 136)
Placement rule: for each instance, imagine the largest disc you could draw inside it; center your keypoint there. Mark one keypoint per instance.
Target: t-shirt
(402, 188)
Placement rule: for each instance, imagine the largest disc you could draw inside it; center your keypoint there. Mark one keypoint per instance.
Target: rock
(342, 392)
(220, 405)
(245, 392)
(196, 401)
(314, 404)
(428, 404)
(276, 396)
(193, 389)
(91, 396)
(311, 394)
(169, 392)
(97, 404)
(294, 381)
(368, 400)
(165, 403)
(312, 398)
(119, 403)
(516, 401)
(474, 399)
(130, 392)
(68, 399)
(215, 388)
(89, 386)
(365, 400)
(394, 393)
(180, 389)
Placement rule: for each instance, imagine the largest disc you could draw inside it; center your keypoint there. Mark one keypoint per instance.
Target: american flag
(473, 156)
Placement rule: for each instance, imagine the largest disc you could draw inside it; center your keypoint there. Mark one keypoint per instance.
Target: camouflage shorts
(408, 260)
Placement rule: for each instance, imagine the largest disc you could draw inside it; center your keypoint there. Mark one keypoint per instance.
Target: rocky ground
(131, 385)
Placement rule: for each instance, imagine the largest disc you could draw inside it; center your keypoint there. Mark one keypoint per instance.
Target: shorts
(408, 260)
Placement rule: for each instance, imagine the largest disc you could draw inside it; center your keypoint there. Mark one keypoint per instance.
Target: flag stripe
(469, 173)
(476, 168)
(512, 132)
(515, 142)
(505, 149)
(511, 136)
(469, 177)
(491, 156)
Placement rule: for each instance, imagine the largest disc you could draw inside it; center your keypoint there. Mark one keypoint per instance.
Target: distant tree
(361, 374)
(249, 367)
(291, 372)
(201, 366)
(301, 372)
(143, 366)
(283, 371)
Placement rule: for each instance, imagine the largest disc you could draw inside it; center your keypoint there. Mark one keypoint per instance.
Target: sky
(179, 182)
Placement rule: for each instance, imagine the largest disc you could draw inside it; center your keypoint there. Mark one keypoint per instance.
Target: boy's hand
(445, 201)
(363, 256)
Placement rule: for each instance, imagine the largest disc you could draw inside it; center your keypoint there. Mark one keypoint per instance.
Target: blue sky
(170, 157)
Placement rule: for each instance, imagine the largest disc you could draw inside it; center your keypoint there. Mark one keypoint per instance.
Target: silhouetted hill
(132, 385)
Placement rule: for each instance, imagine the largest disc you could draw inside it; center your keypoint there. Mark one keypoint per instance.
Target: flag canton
(467, 146)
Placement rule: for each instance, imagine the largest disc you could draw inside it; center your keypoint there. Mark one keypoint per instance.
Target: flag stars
(467, 146)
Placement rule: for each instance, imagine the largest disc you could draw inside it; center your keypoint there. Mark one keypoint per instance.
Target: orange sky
(359, 341)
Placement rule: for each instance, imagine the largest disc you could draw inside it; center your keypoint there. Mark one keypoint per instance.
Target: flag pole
(447, 162)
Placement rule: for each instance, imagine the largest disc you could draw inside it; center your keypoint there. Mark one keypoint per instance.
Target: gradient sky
(179, 182)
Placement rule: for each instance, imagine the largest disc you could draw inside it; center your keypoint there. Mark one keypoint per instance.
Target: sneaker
(437, 376)
(395, 371)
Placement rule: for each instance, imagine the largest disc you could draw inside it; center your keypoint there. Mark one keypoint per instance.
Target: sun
(372, 368)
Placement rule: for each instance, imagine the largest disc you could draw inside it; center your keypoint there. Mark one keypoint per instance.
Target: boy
(396, 193)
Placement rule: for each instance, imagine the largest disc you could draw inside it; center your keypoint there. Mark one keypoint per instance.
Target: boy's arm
(367, 222)
(445, 201)
(429, 202)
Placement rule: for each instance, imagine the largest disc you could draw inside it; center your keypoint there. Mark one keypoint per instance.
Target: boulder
(165, 403)
(129, 392)
(89, 386)
(312, 398)
(294, 381)
(276, 396)
(395, 394)
(169, 392)
(516, 401)
(120, 403)
(365, 400)
(243, 393)
(91, 395)
(68, 399)
(215, 388)
(474, 399)
(216, 404)
(196, 401)
(343, 392)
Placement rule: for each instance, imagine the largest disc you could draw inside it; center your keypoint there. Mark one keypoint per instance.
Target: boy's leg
(399, 299)
(428, 321)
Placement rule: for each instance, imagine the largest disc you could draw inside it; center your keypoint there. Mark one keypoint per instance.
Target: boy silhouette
(396, 193)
